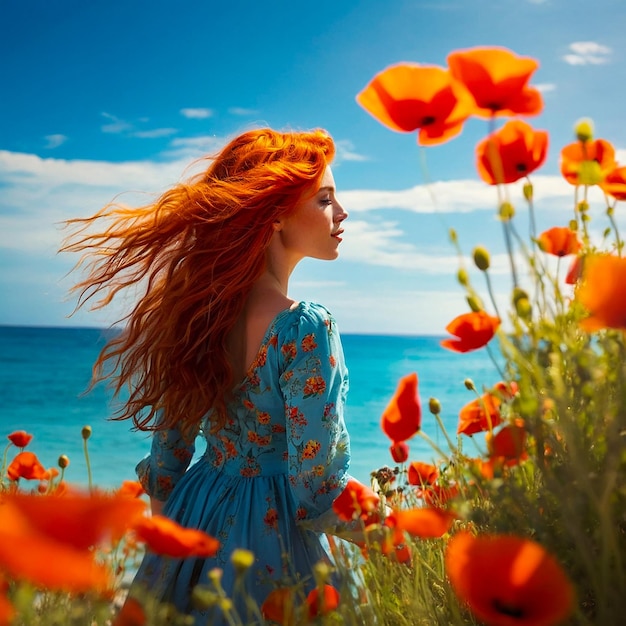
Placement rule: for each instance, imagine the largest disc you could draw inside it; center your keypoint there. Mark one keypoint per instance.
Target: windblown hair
(193, 255)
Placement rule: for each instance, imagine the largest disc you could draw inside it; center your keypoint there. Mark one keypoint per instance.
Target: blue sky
(102, 98)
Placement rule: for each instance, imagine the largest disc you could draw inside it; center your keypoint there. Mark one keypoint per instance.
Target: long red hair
(194, 255)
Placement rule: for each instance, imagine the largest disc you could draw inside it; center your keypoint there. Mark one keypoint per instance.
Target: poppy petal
(402, 417)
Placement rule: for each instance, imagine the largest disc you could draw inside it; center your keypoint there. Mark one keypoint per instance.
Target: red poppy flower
(131, 614)
(559, 241)
(398, 552)
(279, 606)
(27, 553)
(603, 292)
(324, 603)
(436, 496)
(588, 162)
(403, 416)
(399, 451)
(20, 438)
(165, 536)
(80, 520)
(7, 612)
(472, 330)
(131, 488)
(508, 444)
(407, 97)
(575, 271)
(426, 523)
(508, 581)
(615, 183)
(422, 473)
(356, 500)
(511, 153)
(498, 80)
(483, 414)
(26, 465)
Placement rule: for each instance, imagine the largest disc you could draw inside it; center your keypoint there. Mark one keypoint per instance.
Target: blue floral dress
(281, 459)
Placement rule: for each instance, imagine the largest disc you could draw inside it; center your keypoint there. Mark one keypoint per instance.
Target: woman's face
(314, 228)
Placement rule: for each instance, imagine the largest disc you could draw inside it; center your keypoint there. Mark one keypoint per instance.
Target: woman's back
(281, 458)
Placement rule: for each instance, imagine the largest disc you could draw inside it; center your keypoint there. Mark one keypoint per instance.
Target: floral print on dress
(280, 460)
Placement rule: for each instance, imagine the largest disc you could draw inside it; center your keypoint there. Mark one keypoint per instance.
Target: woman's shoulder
(305, 312)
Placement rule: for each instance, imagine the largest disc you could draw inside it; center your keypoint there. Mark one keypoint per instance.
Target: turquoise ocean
(44, 374)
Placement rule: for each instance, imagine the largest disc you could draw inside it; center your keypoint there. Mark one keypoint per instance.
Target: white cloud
(115, 125)
(587, 53)
(545, 87)
(155, 133)
(382, 234)
(54, 141)
(345, 152)
(242, 111)
(197, 113)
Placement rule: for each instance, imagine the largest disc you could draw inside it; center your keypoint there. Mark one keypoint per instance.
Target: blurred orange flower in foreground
(279, 606)
(403, 416)
(131, 614)
(498, 79)
(483, 413)
(587, 162)
(20, 438)
(324, 603)
(27, 553)
(26, 465)
(165, 536)
(425, 522)
(559, 241)
(508, 581)
(511, 153)
(78, 519)
(602, 292)
(7, 612)
(408, 96)
(356, 500)
(615, 183)
(472, 330)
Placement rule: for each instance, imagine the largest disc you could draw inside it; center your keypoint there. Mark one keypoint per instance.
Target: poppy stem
(491, 294)
(509, 248)
(89, 477)
(619, 243)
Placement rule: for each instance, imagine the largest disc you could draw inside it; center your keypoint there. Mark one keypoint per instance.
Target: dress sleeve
(314, 383)
(169, 458)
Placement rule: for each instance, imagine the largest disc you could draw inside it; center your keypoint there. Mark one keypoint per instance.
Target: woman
(214, 345)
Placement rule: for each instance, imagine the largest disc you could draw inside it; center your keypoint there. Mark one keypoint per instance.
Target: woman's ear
(277, 225)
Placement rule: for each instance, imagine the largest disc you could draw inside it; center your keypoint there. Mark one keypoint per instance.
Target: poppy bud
(573, 225)
(462, 277)
(474, 304)
(582, 206)
(399, 451)
(523, 307)
(434, 406)
(481, 258)
(203, 598)
(518, 294)
(86, 432)
(452, 235)
(63, 461)
(469, 384)
(584, 129)
(528, 191)
(506, 212)
(242, 560)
